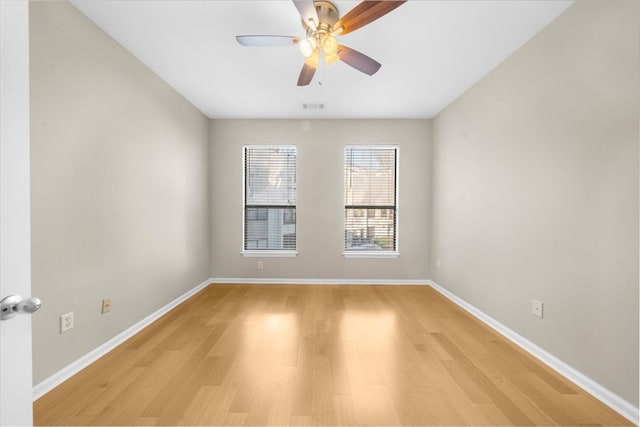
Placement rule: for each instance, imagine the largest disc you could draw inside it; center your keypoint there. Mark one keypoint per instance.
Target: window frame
(382, 253)
(266, 253)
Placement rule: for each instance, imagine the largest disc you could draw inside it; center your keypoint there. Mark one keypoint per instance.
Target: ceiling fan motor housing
(321, 38)
(327, 16)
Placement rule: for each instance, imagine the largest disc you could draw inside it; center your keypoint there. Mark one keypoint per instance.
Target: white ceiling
(431, 52)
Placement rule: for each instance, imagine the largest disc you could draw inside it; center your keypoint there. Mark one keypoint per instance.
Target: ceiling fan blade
(267, 40)
(364, 13)
(308, 69)
(358, 60)
(307, 11)
(306, 74)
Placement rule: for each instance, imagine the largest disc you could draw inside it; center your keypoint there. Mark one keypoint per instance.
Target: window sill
(270, 254)
(370, 254)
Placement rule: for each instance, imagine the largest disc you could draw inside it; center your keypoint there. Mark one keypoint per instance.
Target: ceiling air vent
(313, 106)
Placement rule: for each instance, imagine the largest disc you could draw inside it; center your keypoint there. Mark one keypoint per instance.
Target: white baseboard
(68, 371)
(601, 393)
(609, 398)
(263, 281)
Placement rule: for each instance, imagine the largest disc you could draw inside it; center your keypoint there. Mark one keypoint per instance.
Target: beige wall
(138, 197)
(535, 192)
(119, 187)
(320, 197)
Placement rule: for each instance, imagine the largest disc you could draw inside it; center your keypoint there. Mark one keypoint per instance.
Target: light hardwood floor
(319, 355)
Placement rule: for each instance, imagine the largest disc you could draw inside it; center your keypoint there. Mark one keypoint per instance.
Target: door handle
(13, 305)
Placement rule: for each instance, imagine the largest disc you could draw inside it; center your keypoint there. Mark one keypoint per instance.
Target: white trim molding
(370, 254)
(267, 281)
(601, 393)
(269, 253)
(73, 368)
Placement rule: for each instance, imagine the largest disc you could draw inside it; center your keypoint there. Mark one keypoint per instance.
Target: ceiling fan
(322, 23)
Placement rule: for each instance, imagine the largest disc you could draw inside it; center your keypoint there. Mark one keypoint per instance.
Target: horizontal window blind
(370, 198)
(270, 198)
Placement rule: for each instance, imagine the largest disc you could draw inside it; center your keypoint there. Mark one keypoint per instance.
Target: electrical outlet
(536, 308)
(438, 263)
(106, 305)
(66, 322)
(260, 265)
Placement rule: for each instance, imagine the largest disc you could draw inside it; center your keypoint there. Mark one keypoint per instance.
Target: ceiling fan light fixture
(330, 59)
(329, 45)
(313, 60)
(307, 46)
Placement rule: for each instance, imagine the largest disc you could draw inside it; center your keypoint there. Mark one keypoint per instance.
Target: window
(370, 199)
(269, 199)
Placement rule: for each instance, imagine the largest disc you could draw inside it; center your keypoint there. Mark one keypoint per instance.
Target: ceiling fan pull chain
(320, 69)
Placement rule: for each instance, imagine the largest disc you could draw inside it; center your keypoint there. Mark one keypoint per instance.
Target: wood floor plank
(319, 355)
(500, 399)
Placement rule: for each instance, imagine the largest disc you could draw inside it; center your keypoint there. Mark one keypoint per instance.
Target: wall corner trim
(73, 368)
(601, 393)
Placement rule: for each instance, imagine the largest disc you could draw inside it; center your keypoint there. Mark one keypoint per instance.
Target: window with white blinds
(370, 199)
(269, 198)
